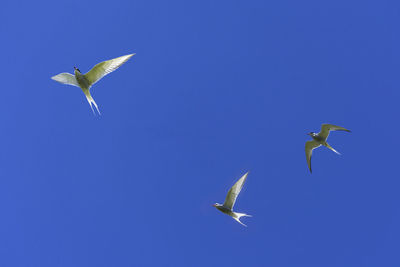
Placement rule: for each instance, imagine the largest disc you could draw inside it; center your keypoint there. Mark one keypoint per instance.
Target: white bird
(319, 139)
(231, 199)
(85, 81)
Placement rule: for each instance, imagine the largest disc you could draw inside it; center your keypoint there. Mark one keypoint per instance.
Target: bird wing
(66, 78)
(105, 67)
(310, 145)
(234, 192)
(326, 128)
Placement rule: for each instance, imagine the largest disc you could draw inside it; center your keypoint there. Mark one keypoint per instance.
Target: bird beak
(214, 205)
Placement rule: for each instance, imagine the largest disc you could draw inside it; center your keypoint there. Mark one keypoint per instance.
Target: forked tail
(238, 215)
(331, 148)
(91, 102)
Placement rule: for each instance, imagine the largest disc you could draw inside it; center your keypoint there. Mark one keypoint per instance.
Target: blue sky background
(217, 88)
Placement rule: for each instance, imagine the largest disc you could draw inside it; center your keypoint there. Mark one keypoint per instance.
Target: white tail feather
(331, 148)
(92, 102)
(238, 215)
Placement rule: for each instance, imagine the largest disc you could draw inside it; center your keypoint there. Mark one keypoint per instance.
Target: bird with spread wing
(319, 139)
(231, 199)
(85, 81)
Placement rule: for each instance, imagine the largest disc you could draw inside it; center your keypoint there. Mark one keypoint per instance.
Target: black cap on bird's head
(75, 68)
(310, 133)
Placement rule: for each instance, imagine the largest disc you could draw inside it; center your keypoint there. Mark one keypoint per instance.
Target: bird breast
(82, 81)
(224, 210)
(317, 138)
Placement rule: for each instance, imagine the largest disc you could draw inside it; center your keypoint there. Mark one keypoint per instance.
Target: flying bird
(231, 199)
(319, 139)
(85, 81)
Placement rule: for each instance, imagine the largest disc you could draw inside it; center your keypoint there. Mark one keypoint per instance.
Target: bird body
(81, 79)
(85, 81)
(234, 215)
(316, 137)
(231, 199)
(319, 139)
(84, 84)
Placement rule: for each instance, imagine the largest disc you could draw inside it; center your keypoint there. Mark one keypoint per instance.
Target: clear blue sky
(217, 88)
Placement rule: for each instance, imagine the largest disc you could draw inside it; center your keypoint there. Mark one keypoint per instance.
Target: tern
(85, 81)
(231, 199)
(319, 139)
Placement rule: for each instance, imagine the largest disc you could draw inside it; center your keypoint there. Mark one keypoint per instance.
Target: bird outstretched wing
(105, 67)
(66, 78)
(326, 128)
(310, 145)
(234, 192)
